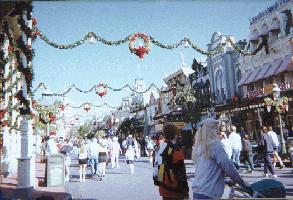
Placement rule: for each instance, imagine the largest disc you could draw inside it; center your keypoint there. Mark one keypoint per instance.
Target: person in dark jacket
(269, 147)
(247, 153)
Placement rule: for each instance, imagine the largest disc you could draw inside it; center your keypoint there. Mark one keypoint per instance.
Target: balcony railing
(268, 89)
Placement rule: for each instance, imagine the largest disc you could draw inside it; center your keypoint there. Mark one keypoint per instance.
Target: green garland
(107, 86)
(219, 48)
(96, 106)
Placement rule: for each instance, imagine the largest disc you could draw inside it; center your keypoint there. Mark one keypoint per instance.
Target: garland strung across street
(141, 50)
(87, 106)
(102, 89)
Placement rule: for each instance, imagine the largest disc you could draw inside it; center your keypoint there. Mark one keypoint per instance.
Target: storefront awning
(286, 65)
(244, 77)
(253, 75)
(267, 70)
(264, 69)
(274, 67)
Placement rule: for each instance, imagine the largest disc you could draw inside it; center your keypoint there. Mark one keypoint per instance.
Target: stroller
(266, 188)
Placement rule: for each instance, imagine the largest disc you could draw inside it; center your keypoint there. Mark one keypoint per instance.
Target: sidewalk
(10, 190)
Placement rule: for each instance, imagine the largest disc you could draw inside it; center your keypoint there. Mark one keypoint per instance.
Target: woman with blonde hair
(211, 163)
(82, 160)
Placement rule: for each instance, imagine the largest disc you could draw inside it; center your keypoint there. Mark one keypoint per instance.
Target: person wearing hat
(211, 163)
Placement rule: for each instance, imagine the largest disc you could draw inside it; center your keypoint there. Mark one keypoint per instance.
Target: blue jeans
(200, 196)
(236, 156)
(94, 162)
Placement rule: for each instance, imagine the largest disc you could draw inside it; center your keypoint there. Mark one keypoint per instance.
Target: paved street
(120, 184)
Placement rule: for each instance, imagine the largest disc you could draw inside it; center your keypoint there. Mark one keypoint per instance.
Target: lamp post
(47, 102)
(277, 98)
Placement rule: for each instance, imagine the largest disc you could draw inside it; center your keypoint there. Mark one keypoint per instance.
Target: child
(130, 158)
(247, 151)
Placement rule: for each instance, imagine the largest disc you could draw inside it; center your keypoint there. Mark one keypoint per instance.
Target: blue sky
(167, 21)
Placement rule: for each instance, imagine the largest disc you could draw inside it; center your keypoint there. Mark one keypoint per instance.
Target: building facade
(271, 65)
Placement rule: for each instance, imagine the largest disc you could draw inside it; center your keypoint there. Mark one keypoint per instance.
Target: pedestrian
(291, 155)
(66, 149)
(116, 150)
(242, 132)
(82, 160)
(150, 148)
(103, 156)
(136, 148)
(267, 144)
(130, 154)
(226, 143)
(236, 144)
(169, 169)
(93, 155)
(211, 163)
(247, 154)
(277, 143)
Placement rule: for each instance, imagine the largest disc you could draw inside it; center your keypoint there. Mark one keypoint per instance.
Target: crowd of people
(97, 153)
(215, 154)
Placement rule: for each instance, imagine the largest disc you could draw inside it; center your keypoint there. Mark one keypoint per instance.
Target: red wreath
(139, 51)
(101, 89)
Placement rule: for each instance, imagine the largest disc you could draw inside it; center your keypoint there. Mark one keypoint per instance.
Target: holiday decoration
(62, 107)
(101, 89)
(285, 103)
(91, 38)
(268, 102)
(86, 107)
(105, 87)
(140, 50)
(96, 106)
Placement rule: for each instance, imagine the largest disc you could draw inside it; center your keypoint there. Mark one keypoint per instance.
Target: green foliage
(43, 112)
(86, 130)
(128, 126)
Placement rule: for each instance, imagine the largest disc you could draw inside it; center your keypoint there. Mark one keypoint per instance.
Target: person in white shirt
(276, 141)
(116, 150)
(236, 145)
(226, 143)
(130, 157)
(52, 146)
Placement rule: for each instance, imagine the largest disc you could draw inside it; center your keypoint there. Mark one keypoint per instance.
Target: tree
(128, 126)
(86, 130)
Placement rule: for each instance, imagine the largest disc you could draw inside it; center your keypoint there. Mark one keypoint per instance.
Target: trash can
(55, 170)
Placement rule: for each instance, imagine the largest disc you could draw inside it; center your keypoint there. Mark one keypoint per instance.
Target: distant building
(221, 70)
(273, 29)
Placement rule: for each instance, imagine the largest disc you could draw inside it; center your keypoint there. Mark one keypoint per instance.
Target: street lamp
(281, 105)
(47, 102)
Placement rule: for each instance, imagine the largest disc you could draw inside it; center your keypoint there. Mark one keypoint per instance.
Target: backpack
(167, 174)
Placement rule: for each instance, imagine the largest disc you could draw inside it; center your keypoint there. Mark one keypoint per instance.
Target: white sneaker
(275, 176)
(266, 175)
